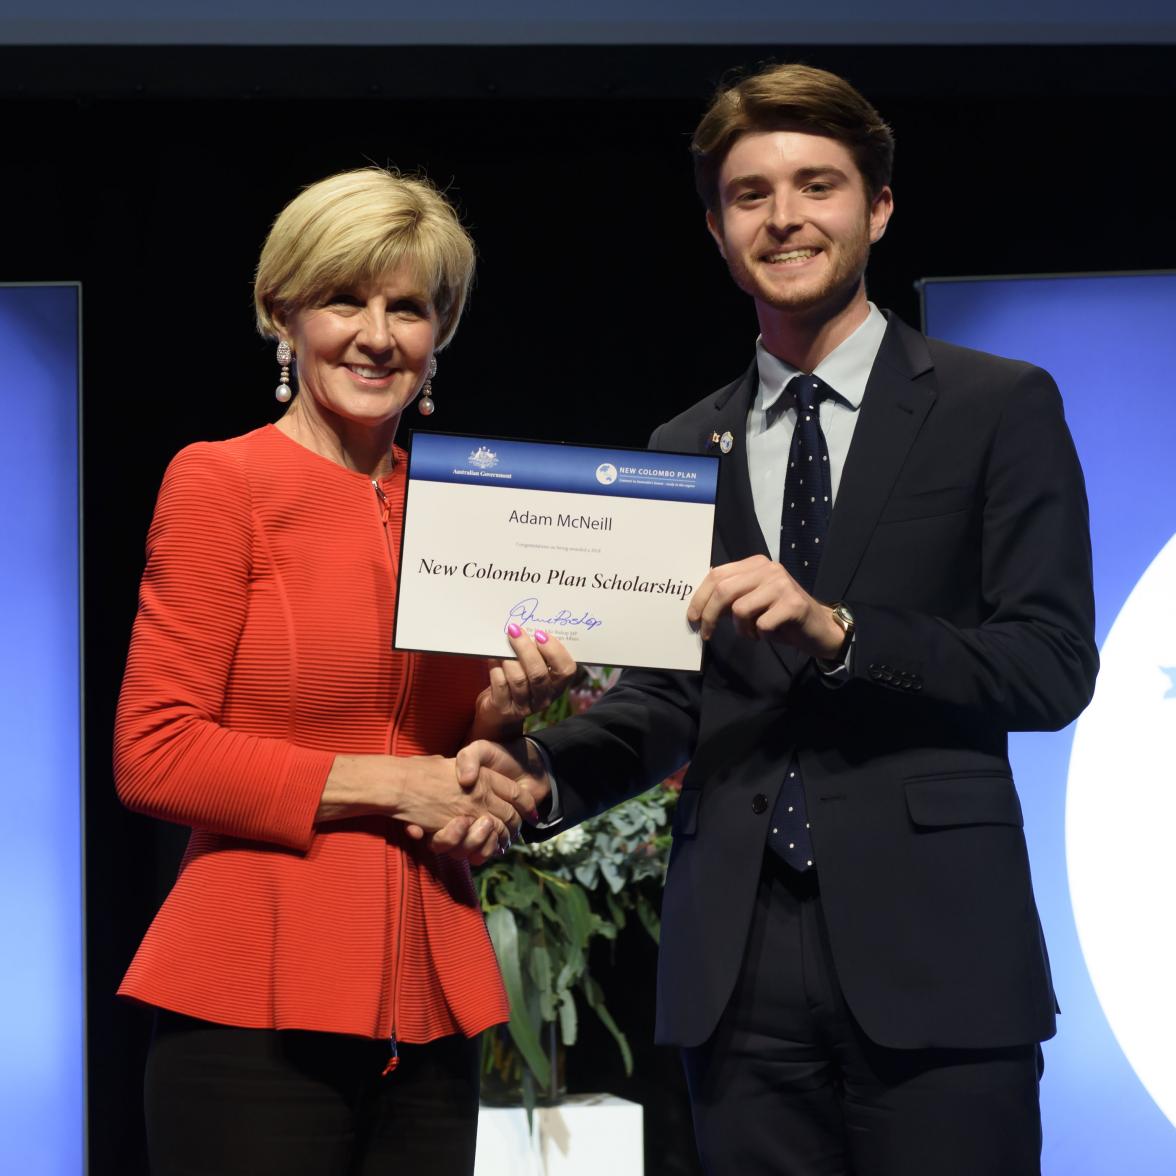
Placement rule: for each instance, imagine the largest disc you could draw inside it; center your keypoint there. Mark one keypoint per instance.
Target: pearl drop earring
(283, 392)
(426, 406)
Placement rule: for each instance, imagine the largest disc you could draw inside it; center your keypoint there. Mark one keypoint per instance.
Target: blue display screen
(42, 1055)
(1100, 797)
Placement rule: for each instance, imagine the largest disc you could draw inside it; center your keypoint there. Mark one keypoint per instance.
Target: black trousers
(224, 1101)
(788, 1085)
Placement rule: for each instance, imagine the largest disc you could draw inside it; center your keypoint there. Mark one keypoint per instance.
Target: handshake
(473, 805)
(503, 785)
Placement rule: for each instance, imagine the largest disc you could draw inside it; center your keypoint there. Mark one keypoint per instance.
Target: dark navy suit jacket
(959, 538)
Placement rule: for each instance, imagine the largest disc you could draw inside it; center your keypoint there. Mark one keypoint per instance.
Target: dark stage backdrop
(601, 307)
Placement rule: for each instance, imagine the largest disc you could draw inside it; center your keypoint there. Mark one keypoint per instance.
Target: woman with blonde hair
(320, 969)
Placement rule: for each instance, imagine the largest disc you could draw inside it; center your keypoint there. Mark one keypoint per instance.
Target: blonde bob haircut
(351, 229)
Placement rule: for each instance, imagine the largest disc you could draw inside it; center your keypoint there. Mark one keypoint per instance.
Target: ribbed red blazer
(262, 647)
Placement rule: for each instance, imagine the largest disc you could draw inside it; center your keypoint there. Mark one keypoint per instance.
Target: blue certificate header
(576, 469)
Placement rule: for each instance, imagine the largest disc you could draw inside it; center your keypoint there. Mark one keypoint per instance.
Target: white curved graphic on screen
(1121, 830)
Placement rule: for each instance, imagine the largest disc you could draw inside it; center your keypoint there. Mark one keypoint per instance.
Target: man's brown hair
(796, 98)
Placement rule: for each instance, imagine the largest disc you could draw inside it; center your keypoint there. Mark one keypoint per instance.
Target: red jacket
(262, 648)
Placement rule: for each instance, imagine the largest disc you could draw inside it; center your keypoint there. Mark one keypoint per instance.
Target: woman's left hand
(523, 685)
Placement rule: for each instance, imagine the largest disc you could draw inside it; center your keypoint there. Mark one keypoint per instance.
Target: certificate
(602, 548)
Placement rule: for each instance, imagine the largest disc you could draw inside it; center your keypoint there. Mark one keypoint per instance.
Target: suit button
(759, 803)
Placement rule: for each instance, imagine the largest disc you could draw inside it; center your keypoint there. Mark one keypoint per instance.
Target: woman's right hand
(425, 794)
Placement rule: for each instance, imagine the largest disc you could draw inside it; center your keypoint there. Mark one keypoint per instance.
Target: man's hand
(765, 601)
(516, 774)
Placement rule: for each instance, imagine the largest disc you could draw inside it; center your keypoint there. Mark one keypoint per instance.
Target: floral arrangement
(546, 903)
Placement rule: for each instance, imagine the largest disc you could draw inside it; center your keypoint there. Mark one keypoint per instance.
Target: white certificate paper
(601, 548)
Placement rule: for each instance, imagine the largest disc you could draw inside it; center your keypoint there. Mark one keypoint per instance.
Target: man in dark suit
(851, 956)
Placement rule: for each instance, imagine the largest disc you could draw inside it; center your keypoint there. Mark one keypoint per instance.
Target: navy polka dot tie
(807, 493)
(804, 521)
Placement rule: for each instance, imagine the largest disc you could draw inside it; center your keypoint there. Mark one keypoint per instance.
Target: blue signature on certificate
(523, 613)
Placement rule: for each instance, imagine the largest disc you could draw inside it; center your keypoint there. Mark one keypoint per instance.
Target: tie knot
(808, 391)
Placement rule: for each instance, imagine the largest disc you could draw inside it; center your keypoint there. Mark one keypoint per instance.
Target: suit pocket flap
(964, 800)
(927, 504)
(686, 812)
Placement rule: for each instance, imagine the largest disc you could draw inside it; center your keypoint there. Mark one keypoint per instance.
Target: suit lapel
(898, 396)
(737, 533)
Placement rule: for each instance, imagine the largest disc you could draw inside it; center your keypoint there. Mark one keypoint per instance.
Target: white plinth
(586, 1135)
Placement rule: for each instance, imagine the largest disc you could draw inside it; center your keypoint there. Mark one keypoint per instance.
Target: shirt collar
(846, 369)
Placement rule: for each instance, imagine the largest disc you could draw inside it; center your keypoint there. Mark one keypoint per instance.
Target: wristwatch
(843, 616)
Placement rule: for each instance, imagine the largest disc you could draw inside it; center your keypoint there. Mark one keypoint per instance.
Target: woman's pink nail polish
(512, 630)
(540, 637)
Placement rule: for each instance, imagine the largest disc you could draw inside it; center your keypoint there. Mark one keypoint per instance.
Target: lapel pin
(726, 442)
